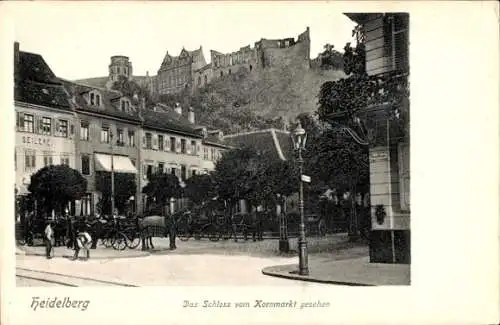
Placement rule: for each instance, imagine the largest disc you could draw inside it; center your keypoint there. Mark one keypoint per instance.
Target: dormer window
(95, 98)
(125, 104)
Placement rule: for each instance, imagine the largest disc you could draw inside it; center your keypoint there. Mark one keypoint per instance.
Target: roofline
(78, 83)
(69, 109)
(218, 144)
(134, 121)
(256, 131)
(150, 127)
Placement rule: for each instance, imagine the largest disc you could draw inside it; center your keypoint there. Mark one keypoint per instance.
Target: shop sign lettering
(36, 141)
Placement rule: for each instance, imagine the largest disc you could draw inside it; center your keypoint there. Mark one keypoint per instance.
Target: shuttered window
(160, 142)
(149, 141)
(396, 32)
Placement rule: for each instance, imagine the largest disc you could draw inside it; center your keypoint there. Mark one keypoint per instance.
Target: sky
(78, 39)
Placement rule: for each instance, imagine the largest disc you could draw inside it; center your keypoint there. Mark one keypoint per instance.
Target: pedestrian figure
(49, 234)
(82, 241)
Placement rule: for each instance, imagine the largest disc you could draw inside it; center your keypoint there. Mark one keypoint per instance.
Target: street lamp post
(112, 175)
(299, 138)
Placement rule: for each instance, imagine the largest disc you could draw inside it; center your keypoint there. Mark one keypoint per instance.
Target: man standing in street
(49, 234)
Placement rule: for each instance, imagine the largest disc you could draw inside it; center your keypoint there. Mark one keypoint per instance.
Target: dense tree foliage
(245, 174)
(55, 186)
(125, 187)
(201, 188)
(330, 58)
(162, 187)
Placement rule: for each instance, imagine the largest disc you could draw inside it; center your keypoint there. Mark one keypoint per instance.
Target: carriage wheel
(226, 233)
(120, 242)
(133, 241)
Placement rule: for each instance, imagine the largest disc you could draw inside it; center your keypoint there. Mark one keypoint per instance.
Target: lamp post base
(303, 258)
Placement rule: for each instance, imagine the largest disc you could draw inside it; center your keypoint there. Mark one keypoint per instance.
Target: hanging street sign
(306, 178)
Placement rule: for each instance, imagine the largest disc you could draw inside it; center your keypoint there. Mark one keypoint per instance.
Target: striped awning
(121, 164)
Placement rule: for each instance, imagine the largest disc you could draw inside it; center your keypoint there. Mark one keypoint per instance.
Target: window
(47, 160)
(65, 161)
(84, 131)
(396, 39)
(183, 145)
(206, 79)
(85, 165)
(29, 123)
(161, 167)
(251, 67)
(105, 134)
(92, 100)
(173, 171)
(221, 73)
(149, 141)
(121, 140)
(193, 172)
(149, 171)
(193, 147)
(46, 126)
(29, 159)
(199, 80)
(63, 128)
(183, 172)
(229, 71)
(125, 105)
(172, 144)
(98, 100)
(160, 142)
(131, 138)
(205, 153)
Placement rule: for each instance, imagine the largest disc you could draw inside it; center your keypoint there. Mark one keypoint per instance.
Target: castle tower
(120, 66)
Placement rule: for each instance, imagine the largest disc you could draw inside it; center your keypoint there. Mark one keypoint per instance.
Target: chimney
(16, 52)
(178, 108)
(191, 115)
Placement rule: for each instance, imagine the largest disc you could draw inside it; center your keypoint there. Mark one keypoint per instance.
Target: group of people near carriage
(86, 232)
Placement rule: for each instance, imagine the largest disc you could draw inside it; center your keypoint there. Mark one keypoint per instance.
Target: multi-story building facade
(91, 129)
(45, 122)
(107, 125)
(174, 144)
(386, 40)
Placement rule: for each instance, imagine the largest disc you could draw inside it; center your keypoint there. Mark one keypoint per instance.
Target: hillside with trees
(248, 100)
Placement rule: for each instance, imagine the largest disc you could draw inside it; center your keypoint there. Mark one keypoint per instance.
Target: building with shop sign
(45, 121)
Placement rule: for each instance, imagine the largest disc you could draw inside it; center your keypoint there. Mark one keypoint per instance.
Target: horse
(156, 226)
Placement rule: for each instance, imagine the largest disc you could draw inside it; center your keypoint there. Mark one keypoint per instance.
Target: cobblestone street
(195, 262)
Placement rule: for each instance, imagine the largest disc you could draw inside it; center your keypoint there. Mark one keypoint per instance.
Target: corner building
(45, 121)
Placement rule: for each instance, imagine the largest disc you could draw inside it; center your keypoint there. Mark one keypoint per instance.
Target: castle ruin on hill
(190, 70)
